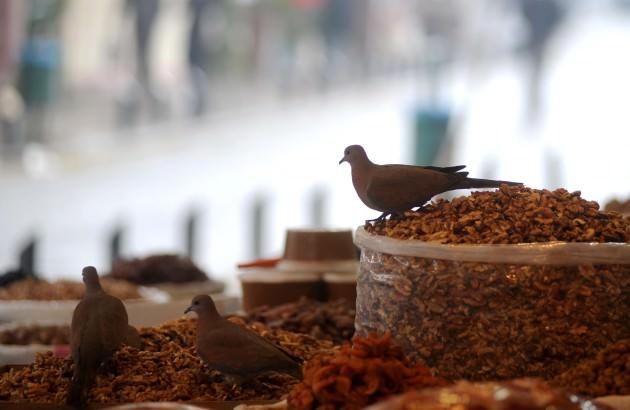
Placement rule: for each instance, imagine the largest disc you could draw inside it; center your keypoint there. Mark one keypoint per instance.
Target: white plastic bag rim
(541, 253)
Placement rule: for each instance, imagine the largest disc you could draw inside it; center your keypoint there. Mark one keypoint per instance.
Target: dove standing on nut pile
(394, 189)
(238, 353)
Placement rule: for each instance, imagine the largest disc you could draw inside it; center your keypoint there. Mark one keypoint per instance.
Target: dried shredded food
(608, 373)
(333, 320)
(165, 369)
(358, 374)
(34, 289)
(155, 269)
(36, 334)
(511, 214)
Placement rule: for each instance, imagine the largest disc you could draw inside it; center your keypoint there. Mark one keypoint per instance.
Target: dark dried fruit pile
(332, 320)
(158, 269)
(35, 289)
(356, 375)
(616, 205)
(48, 335)
(608, 373)
(511, 214)
(165, 369)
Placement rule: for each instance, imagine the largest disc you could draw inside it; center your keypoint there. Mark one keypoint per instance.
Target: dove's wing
(99, 325)
(231, 348)
(397, 188)
(79, 318)
(447, 170)
(113, 322)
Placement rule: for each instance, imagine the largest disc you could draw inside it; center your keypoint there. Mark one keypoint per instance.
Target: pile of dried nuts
(617, 205)
(512, 214)
(48, 335)
(333, 320)
(166, 368)
(507, 321)
(32, 289)
(356, 375)
(164, 268)
(605, 374)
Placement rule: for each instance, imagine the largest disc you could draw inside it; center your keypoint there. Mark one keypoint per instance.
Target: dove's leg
(379, 219)
(420, 208)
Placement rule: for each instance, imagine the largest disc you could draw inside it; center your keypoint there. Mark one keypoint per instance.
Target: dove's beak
(188, 309)
(342, 160)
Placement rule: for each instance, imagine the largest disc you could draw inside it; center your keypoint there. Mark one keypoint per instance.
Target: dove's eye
(347, 152)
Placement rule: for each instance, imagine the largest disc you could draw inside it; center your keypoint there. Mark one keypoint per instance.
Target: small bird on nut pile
(132, 338)
(394, 189)
(235, 351)
(99, 327)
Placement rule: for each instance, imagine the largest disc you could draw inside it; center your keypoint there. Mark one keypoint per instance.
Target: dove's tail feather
(296, 372)
(79, 387)
(482, 183)
(75, 394)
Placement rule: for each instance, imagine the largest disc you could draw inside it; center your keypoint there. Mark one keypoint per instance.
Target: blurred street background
(208, 127)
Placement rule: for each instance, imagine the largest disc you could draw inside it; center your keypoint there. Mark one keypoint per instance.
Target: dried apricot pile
(358, 374)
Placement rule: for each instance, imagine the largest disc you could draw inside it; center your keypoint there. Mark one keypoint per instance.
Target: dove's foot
(397, 215)
(420, 208)
(379, 219)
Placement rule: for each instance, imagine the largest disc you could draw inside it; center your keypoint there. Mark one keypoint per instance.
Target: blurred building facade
(121, 116)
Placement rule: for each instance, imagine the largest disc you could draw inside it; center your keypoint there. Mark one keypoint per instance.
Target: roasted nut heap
(166, 369)
(512, 214)
(522, 394)
(31, 289)
(484, 321)
(616, 205)
(605, 374)
(359, 374)
(332, 320)
(36, 334)
(158, 269)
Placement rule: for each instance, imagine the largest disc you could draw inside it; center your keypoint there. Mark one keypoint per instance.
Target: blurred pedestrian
(11, 114)
(542, 18)
(337, 29)
(199, 53)
(144, 14)
(39, 66)
(11, 103)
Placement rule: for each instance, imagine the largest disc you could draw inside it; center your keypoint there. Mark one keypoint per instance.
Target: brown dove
(394, 189)
(132, 338)
(238, 353)
(99, 326)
